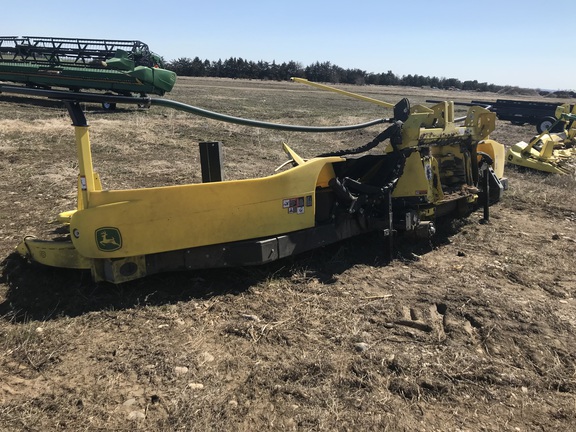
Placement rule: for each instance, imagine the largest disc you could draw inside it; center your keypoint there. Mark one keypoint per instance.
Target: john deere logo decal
(108, 239)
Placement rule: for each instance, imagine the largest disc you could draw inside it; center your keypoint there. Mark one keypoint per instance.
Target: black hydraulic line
(392, 131)
(147, 101)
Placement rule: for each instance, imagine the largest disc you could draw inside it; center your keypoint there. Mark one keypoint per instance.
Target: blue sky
(524, 43)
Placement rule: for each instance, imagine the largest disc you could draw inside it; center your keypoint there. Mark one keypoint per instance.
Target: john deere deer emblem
(108, 239)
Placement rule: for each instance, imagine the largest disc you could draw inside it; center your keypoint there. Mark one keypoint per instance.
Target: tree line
(318, 71)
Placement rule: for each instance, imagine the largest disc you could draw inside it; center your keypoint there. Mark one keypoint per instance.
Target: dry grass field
(474, 331)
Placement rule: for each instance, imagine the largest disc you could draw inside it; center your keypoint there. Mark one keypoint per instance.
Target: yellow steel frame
(436, 128)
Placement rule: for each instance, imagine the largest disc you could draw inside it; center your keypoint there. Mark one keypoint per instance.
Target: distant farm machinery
(434, 165)
(113, 66)
(549, 152)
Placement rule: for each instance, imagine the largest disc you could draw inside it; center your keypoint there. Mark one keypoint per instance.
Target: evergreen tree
(318, 71)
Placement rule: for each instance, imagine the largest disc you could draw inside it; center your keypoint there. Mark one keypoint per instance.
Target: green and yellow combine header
(112, 66)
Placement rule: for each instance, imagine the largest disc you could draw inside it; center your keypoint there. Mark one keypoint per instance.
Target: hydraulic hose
(259, 124)
(147, 101)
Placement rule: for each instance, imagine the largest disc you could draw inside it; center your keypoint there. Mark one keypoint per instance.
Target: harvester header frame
(56, 51)
(120, 67)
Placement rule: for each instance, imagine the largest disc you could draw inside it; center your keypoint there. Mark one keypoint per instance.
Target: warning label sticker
(297, 205)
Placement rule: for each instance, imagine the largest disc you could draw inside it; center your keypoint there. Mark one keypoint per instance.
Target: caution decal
(297, 205)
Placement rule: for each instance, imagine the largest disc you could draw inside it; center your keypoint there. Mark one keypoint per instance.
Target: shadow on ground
(38, 292)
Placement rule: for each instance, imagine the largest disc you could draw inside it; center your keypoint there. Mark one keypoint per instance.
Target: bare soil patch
(472, 331)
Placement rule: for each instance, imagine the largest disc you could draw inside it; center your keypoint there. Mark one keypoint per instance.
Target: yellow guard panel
(144, 221)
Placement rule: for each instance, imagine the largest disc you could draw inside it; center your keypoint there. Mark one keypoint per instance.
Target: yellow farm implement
(434, 165)
(549, 152)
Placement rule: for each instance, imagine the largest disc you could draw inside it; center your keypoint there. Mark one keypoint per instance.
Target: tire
(545, 123)
(109, 106)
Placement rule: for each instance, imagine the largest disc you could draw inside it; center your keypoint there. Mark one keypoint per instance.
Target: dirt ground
(473, 331)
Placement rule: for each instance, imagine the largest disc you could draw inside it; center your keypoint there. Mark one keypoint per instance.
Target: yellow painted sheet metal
(143, 221)
(497, 152)
(415, 180)
(53, 253)
(523, 154)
